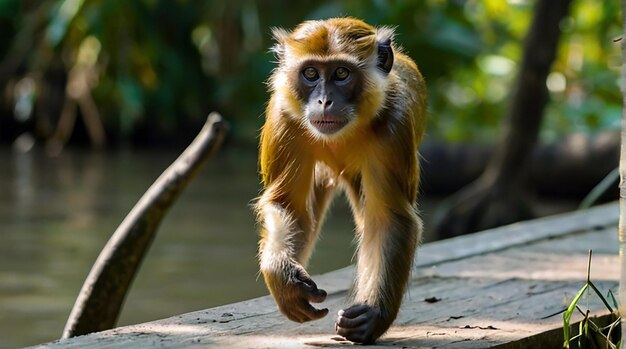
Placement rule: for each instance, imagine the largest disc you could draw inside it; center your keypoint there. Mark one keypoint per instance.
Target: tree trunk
(622, 188)
(501, 194)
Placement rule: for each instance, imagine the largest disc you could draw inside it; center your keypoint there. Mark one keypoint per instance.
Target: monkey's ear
(385, 52)
(280, 35)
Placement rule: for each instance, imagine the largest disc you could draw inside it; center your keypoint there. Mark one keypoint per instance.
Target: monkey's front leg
(283, 248)
(384, 263)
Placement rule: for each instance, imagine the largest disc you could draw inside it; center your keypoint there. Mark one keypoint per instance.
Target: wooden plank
(494, 292)
(493, 240)
(493, 288)
(518, 234)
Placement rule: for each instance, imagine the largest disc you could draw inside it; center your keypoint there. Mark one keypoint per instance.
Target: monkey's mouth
(328, 124)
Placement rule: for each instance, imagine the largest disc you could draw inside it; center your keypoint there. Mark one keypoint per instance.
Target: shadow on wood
(100, 300)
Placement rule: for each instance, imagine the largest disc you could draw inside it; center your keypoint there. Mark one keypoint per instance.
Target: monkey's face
(329, 91)
(332, 75)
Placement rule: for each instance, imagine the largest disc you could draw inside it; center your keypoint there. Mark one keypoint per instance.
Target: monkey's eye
(341, 73)
(310, 74)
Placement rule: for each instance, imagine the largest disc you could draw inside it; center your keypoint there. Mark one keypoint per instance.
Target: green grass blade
(595, 289)
(599, 189)
(568, 315)
(611, 296)
(582, 333)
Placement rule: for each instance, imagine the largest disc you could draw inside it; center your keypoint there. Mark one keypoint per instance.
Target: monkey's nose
(327, 103)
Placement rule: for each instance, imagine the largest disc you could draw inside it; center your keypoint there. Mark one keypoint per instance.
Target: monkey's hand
(294, 294)
(361, 323)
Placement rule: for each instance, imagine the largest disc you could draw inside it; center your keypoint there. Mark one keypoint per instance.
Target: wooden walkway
(490, 289)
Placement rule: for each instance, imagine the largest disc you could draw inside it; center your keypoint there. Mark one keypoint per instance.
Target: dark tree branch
(100, 300)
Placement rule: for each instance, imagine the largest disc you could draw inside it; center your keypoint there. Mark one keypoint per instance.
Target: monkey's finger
(349, 332)
(305, 279)
(317, 296)
(354, 311)
(296, 316)
(358, 335)
(303, 316)
(311, 312)
(307, 287)
(318, 313)
(346, 322)
(293, 309)
(313, 293)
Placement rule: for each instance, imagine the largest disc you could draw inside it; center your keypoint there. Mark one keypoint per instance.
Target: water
(57, 213)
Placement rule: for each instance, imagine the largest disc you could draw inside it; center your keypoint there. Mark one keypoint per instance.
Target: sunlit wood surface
(490, 289)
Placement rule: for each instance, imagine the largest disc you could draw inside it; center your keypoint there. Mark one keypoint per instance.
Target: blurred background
(98, 97)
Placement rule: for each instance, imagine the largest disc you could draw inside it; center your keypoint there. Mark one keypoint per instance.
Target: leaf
(61, 19)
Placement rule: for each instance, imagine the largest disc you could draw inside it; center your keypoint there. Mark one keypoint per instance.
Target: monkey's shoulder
(406, 69)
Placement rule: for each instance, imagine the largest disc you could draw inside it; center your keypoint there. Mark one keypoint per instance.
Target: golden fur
(374, 159)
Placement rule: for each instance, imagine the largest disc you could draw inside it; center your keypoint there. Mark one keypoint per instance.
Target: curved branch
(100, 300)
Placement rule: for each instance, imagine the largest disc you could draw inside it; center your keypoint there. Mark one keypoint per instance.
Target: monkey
(347, 111)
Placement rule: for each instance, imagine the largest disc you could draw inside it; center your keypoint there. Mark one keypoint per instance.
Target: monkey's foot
(361, 323)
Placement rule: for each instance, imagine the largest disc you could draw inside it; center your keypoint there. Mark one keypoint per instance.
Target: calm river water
(57, 213)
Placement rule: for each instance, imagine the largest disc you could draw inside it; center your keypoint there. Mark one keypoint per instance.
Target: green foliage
(589, 63)
(162, 65)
